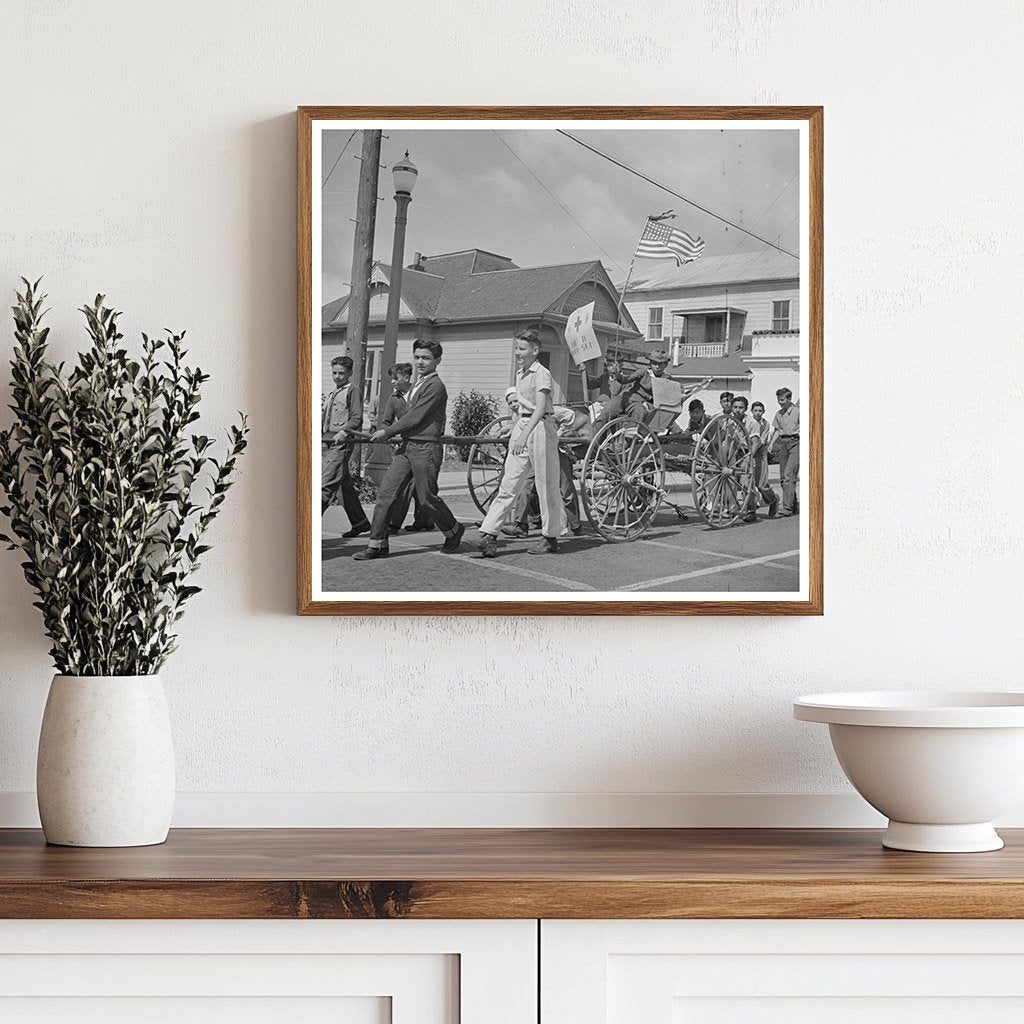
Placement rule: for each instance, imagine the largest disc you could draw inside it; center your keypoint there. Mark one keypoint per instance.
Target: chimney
(417, 261)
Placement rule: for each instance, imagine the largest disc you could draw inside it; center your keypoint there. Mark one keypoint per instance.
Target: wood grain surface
(508, 873)
(306, 605)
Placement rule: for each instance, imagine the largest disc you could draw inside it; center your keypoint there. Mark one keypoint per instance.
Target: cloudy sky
(490, 190)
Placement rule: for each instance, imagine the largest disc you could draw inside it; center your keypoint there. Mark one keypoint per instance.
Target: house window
(780, 315)
(655, 319)
(371, 376)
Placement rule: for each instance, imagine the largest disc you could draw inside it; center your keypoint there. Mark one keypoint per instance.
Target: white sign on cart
(580, 335)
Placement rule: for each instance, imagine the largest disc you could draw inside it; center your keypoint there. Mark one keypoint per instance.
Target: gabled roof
(469, 261)
(421, 291)
(449, 289)
(420, 294)
(508, 293)
(741, 268)
(331, 310)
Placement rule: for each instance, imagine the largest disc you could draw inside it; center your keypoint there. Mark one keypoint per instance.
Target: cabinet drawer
(302, 972)
(782, 972)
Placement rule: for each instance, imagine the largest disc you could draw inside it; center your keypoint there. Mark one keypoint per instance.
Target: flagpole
(622, 297)
(667, 215)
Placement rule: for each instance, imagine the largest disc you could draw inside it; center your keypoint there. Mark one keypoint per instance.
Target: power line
(340, 155)
(558, 201)
(767, 208)
(779, 235)
(756, 254)
(671, 191)
(788, 226)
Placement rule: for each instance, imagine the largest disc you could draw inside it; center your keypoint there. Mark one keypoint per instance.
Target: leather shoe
(451, 544)
(356, 531)
(487, 546)
(545, 546)
(369, 554)
(515, 531)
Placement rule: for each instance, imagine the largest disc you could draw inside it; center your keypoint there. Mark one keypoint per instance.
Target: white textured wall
(148, 152)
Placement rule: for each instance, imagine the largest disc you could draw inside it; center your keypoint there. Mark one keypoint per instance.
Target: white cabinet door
(782, 972)
(258, 972)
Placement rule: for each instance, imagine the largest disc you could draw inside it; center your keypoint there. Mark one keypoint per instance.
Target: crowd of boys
(633, 395)
(413, 414)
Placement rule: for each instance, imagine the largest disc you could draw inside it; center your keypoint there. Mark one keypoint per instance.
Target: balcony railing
(703, 350)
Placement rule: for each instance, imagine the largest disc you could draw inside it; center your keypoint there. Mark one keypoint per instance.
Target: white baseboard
(504, 810)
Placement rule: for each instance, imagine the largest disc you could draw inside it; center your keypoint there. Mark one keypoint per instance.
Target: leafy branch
(109, 494)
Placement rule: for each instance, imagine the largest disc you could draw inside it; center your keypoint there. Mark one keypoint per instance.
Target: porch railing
(702, 350)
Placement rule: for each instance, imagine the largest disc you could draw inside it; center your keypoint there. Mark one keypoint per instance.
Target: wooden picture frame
(808, 598)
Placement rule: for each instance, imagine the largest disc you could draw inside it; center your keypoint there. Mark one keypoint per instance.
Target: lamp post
(405, 180)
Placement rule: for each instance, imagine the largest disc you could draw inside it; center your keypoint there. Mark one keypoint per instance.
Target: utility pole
(362, 258)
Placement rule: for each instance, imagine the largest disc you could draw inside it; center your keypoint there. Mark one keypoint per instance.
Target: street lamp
(405, 174)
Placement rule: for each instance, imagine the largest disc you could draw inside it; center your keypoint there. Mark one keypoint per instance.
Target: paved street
(673, 555)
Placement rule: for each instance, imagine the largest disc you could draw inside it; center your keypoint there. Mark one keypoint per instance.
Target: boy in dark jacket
(418, 457)
(394, 409)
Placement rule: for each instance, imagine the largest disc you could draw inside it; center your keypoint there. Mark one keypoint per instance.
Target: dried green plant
(108, 493)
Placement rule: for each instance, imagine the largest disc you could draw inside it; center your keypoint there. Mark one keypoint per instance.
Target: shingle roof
(458, 263)
(470, 261)
(331, 310)
(420, 292)
(491, 261)
(507, 293)
(763, 265)
(449, 289)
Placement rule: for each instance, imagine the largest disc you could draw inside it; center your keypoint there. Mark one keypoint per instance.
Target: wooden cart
(622, 467)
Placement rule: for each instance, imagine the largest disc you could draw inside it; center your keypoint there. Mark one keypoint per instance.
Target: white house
(734, 318)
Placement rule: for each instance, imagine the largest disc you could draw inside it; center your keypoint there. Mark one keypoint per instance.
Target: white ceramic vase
(105, 771)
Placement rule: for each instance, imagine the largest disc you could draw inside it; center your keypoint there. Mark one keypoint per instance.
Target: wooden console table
(496, 926)
(507, 874)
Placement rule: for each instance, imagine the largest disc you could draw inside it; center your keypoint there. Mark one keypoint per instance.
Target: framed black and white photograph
(560, 361)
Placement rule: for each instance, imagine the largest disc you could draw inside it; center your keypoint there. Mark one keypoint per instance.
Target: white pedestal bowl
(940, 766)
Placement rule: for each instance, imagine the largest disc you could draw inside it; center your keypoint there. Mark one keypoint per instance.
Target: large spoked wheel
(486, 463)
(622, 481)
(722, 472)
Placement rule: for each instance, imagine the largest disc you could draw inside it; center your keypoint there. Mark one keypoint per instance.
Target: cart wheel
(721, 473)
(622, 479)
(486, 463)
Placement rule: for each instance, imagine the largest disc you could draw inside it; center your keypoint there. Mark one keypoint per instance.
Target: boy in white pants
(532, 452)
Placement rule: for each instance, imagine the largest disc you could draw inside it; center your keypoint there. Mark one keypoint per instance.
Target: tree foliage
(471, 412)
(109, 494)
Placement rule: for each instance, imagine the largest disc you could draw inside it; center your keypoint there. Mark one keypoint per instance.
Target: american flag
(660, 241)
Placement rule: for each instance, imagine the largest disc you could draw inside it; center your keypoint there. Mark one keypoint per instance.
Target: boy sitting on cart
(636, 399)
